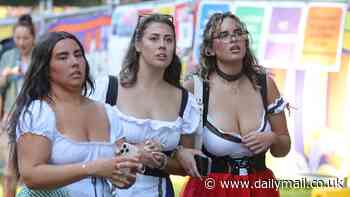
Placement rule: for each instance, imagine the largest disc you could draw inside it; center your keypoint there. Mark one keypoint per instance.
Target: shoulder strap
(263, 89)
(112, 91)
(184, 100)
(205, 101)
(200, 94)
(198, 89)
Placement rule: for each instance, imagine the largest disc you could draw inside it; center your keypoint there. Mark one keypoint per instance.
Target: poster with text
(282, 38)
(253, 16)
(323, 37)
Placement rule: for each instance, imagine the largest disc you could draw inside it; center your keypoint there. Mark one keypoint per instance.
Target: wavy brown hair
(251, 68)
(130, 67)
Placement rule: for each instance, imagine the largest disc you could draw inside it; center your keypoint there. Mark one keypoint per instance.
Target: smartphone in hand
(203, 164)
(129, 150)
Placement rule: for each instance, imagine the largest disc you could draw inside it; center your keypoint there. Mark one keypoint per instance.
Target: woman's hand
(152, 146)
(258, 142)
(151, 155)
(125, 174)
(186, 158)
(7, 72)
(120, 170)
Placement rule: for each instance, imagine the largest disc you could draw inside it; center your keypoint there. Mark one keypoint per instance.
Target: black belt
(238, 166)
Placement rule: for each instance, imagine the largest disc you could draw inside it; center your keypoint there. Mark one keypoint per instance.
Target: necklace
(228, 77)
(233, 85)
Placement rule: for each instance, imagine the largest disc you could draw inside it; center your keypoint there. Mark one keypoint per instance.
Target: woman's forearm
(10, 185)
(46, 176)
(174, 167)
(281, 146)
(3, 82)
(10, 177)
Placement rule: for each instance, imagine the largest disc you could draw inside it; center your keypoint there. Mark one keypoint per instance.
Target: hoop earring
(208, 53)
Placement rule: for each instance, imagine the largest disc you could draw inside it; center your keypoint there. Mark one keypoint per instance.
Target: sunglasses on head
(142, 17)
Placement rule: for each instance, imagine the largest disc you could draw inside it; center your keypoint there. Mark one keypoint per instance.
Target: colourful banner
(124, 20)
(253, 17)
(206, 9)
(282, 37)
(184, 25)
(323, 31)
(93, 32)
(89, 29)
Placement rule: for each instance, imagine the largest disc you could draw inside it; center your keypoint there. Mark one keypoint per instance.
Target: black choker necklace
(228, 77)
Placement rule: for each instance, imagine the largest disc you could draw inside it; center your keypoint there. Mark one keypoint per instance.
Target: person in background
(5, 45)
(61, 140)
(154, 107)
(243, 112)
(14, 62)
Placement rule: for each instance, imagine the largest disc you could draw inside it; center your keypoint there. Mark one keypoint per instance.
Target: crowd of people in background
(124, 135)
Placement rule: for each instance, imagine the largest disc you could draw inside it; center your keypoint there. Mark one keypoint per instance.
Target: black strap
(184, 100)
(228, 137)
(205, 102)
(263, 88)
(112, 91)
(220, 163)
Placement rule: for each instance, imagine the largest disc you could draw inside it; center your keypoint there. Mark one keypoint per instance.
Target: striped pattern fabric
(278, 106)
(26, 192)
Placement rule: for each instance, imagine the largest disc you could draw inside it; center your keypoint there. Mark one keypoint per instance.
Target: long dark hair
(130, 67)
(251, 68)
(36, 85)
(25, 20)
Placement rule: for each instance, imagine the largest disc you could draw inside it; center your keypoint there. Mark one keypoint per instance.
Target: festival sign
(283, 35)
(323, 37)
(253, 15)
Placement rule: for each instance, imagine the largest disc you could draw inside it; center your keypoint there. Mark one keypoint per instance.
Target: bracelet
(84, 166)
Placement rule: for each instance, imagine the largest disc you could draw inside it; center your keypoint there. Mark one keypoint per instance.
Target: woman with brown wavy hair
(243, 113)
(154, 107)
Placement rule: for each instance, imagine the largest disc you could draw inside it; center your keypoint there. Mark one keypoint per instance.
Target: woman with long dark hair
(153, 105)
(243, 113)
(61, 140)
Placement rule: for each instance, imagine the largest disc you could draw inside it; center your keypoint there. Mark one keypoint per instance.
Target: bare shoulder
(272, 89)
